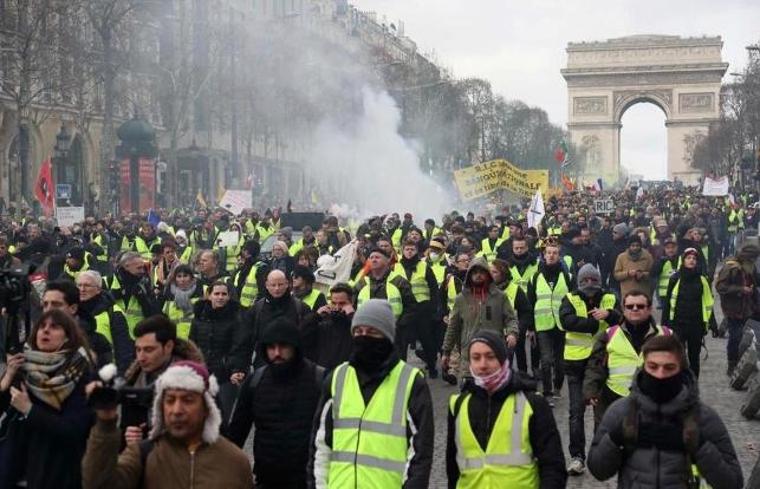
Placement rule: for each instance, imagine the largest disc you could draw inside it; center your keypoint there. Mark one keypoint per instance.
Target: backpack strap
(258, 374)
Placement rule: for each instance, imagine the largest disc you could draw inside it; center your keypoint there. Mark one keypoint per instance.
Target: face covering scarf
(495, 381)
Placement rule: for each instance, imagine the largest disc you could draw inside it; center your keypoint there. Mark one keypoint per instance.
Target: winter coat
(732, 279)
(213, 330)
(420, 439)
(169, 464)
(688, 308)
(281, 406)
(544, 437)
(123, 346)
(470, 313)
(651, 442)
(48, 444)
(329, 342)
(624, 263)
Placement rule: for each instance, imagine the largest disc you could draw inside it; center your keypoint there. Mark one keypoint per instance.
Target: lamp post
(60, 156)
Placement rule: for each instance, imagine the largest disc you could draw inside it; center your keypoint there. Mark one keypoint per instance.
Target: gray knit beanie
(621, 228)
(588, 270)
(378, 314)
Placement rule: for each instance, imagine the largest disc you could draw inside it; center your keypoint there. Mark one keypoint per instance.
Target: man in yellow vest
(382, 283)
(251, 275)
(490, 244)
(132, 290)
(303, 288)
(662, 431)
(145, 240)
(549, 286)
(664, 268)
(77, 261)
(109, 318)
(615, 356)
(500, 433)
(374, 424)
(584, 313)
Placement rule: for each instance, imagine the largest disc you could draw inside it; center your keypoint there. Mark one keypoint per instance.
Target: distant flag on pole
(567, 183)
(153, 218)
(536, 212)
(598, 185)
(562, 154)
(43, 187)
(200, 200)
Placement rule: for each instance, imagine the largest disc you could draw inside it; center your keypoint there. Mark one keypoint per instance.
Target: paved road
(714, 389)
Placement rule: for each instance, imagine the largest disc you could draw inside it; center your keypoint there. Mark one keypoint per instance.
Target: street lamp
(60, 155)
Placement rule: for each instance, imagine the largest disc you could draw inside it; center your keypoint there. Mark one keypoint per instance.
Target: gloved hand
(665, 436)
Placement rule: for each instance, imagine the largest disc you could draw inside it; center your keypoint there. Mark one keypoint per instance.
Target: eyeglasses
(635, 307)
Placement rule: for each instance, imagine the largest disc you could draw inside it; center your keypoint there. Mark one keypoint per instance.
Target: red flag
(43, 188)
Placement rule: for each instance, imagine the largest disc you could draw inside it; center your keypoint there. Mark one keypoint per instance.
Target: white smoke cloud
(372, 167)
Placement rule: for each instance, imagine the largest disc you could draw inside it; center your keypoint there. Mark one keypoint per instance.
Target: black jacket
(98, 343)
(123, 346)
(48, 444)
(212, 331)
(544, 436)
(574, 323)
(688, 310)
(281, 406)
(646, 443)
(420, 411)
(328, 343)
(254, 322)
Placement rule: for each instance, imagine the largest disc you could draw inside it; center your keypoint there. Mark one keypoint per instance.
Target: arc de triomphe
(682, 76)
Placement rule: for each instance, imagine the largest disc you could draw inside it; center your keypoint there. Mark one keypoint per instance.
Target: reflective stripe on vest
(546, 309)
(508, 459)
(392, 295)
(622, 360)
(369, 440)
(707, 300)
(251, 287)
(578, 345)
(419, 284)
(525, 278)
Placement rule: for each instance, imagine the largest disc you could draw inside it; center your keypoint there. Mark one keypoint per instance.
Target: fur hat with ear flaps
(193, 377)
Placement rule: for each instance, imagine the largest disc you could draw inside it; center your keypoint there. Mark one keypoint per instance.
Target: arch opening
(644, 141)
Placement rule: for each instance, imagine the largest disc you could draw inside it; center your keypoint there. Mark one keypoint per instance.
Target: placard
(715, 187)
(68, 216)
(63, 191)
(228, 238)
(235, 201)
(604, 206)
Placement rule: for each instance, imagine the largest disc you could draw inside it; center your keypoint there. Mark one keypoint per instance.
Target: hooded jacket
(483, 412)
(640, 462)
(474, 309)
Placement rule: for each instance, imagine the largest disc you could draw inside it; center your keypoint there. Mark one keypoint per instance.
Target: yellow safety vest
(74, 274)
(419, 285)
(311, 298)
(250, 288)
(439, 270)
(103, 322)
(505, 233)
(187, 255)
(370, 447)
(733, 221)
(486, 251)
(143, 249)
(396, 239)
(508, 458)
(622, 360)
(232, 253)
(264, 233)
(392, 295)
(664, 278)
(182, 319)
(546, 309)
(511, 293)
(98, 240)
(451, 293)
(578, 345)
(707, 300)
(524, 279)
(132, 311)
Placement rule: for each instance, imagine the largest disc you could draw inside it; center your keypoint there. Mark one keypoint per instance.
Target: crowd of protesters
(143, 351)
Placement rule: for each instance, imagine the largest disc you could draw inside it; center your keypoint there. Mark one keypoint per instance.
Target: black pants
(522, 354)
(691, 338)
(577, 409)
(428, 336)
(605, 400)
(552, 346)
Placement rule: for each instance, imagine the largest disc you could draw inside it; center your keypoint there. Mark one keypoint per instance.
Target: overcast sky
(519, 46)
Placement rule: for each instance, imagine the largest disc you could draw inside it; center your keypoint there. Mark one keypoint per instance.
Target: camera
(135, 403)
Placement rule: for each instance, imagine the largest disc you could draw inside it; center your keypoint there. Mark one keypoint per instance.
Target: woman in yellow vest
(688, 306)
(180, 295)
(500, 433)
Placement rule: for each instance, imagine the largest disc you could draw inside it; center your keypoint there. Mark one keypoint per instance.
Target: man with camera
(184, 448)
(156, 348)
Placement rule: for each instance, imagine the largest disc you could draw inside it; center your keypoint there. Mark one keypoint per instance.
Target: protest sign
(68, 216)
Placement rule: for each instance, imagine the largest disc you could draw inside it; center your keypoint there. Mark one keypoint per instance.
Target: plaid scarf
(52, 377)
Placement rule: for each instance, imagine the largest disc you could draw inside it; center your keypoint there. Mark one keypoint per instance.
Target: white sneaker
(576, 466)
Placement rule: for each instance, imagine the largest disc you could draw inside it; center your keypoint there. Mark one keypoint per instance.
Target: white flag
(536, 211)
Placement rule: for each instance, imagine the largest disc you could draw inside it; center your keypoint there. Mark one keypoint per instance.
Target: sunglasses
(635, 307)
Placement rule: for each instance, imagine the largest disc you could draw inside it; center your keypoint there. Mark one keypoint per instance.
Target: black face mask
(369, 353)
(661, 390)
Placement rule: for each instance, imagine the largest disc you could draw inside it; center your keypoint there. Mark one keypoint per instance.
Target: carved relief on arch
(625, 98)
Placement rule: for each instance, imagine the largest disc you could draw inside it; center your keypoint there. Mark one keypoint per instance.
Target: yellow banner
(483, 178)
